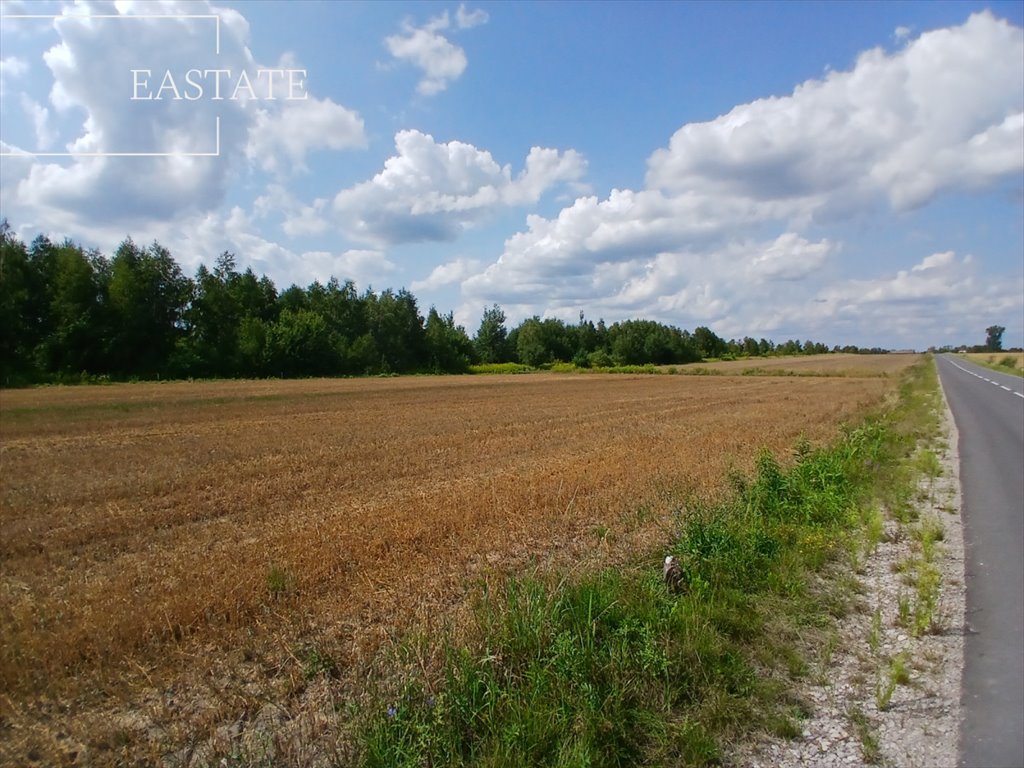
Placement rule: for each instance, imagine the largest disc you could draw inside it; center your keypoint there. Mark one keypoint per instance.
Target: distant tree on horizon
(994, 339)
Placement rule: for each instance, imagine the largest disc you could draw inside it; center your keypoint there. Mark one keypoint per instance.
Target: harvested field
(812, 365)
(192, 537)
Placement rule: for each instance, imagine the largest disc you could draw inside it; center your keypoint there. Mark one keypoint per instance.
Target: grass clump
(279, 581)
(870, 749)
(610, 668)
(875, 633)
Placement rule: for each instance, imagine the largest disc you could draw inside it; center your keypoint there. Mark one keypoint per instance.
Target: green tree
(17, 332)
(637, 342)
(213, 317)
(148, 296)
(530, 346)
(74, 344)
(994, 338)
(449, 348)
(539, 342)
(789, 347)
(491, 341)
(708, 343)
(299, 344)
(252, 352)
(396, 325)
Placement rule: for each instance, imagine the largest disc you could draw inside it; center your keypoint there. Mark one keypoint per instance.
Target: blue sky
(847, 172)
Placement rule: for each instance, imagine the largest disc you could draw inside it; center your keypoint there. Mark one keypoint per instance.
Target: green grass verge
(609, 668)
(1000, 363)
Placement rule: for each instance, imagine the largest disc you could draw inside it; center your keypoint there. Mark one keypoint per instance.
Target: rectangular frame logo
(216, 19)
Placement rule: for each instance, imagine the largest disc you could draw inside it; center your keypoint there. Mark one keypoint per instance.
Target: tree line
(68, 314)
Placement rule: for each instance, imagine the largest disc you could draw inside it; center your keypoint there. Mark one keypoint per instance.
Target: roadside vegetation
(1004, 362)
(610, 667)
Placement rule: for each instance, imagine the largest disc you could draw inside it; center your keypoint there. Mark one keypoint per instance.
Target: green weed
(928, 463)
(279, 581)
(924, 618)
(875, 633)
(316, 662)
(870, 749)
(903, 608)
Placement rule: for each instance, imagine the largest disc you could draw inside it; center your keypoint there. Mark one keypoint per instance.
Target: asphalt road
(988, 408)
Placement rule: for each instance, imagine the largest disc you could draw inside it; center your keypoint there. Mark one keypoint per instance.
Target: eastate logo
(195, 84)
(192, 85)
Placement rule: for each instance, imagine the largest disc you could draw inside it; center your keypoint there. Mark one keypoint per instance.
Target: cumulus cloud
(91, 65)
(943, 114)
(40, 117)
(11, 67)
(433, 191)
(447, 274)
(298, 219)
(466, 19)
(360, 266)
(943, 296)
(790, 257)
(200, 237)
(280, 139)
(440, 60)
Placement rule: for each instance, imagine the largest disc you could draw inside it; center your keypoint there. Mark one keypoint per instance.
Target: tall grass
(610, 668)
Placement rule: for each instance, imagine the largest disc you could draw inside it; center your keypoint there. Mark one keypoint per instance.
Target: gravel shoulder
(858, 714)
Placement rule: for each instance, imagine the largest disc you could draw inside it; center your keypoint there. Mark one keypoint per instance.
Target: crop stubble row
(125, 528)
(138, 524)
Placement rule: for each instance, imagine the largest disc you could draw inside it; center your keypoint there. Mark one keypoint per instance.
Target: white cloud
(941, 298)
(40, 117)
(201, 237)
(362, 266)
(901, 32)
(11, 67)
(447, 274)
(468, 19)
(433, 191)
(945, 113)
(790, 257)
(440, 60)
(286, 134)
(299, 219)
(905, 126)
(939, 276)
(91, 65)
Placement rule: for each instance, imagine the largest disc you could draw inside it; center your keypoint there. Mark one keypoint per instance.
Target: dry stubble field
(167, 551)
(840, 364)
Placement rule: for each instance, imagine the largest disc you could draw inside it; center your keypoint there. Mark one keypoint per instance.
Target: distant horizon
(843, 172)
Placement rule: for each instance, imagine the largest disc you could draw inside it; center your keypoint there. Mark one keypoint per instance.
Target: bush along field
(612, 668)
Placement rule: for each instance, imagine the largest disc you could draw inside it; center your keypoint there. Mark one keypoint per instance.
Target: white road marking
(979, 376)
